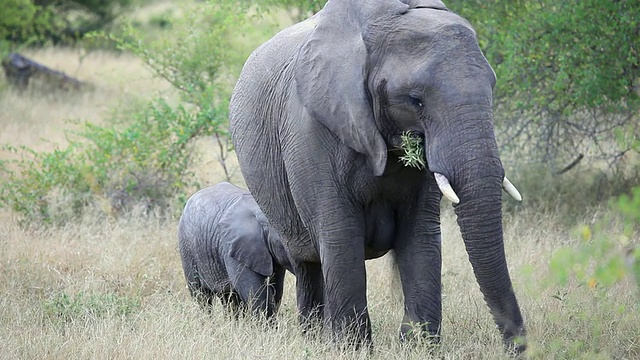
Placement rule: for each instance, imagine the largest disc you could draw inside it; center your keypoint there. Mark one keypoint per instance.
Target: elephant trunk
(480, 219)
(475, 171)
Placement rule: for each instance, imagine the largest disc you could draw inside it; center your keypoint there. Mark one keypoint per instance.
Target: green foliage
(413, 151)
(75, 18)
(300, 9)
(24, 22)
(595, 281)
(629, 206)
(144, 160)
(199, 51)
(603, 258)
(16, 19)
(560, 53)
(201, 58)
(567, 73)
(83, 306)
(27, 189)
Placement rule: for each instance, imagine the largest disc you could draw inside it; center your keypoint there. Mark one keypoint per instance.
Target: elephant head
(373, 70)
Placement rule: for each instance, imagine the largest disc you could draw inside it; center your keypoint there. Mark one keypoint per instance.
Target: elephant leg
(253, 288)
(420, 273)
(204, 298)
(343, 265)
(309, 294)
(419, 259)
(197, 289)
(202, 295)
(232, 302)
(276, 282)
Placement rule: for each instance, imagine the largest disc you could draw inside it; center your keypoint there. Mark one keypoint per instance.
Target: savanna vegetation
(92, 182)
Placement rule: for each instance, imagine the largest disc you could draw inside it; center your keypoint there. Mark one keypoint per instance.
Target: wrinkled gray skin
(229, 250)
(316, 118)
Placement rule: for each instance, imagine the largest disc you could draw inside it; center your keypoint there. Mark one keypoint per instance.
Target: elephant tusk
(446, 188)
(510, 189)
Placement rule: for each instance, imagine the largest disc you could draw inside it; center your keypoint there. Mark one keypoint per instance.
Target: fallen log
(19, 70)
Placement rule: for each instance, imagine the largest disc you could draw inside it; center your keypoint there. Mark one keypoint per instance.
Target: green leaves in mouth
(413, 148)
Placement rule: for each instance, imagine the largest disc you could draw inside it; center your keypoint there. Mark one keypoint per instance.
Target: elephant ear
(248, 244)
(331, 76)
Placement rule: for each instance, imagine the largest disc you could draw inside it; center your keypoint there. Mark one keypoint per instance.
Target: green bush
(298, 9)
(201, 56)
(17, 20)
(608, 251)
(197, 53)
(25, 22)
(603, 258)
(568, 74)
(141, 160)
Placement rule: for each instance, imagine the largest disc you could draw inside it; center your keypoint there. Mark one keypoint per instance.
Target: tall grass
(40, 119)
(101, 289)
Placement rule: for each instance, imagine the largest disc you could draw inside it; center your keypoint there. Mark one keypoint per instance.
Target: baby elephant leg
(254, 289)
(232, 302)
(276, 283)
(198, 290)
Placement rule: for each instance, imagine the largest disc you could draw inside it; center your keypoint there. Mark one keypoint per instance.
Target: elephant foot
(311, 321)
(416, 333)
(352, 332)
(310, 326)
(232, 303)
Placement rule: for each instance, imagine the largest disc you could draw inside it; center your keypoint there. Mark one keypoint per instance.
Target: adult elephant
(316, 119)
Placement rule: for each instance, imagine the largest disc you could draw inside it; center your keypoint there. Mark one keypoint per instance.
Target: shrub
(25, 22)
(568, 74)
(143, 160)
(298, 9)
(201, 59)
(603, 258)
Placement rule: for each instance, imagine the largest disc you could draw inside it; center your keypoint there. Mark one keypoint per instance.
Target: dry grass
(39, 119)
(127, 299)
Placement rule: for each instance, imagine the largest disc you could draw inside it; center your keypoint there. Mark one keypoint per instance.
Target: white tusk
(446, 188)
(510, 189)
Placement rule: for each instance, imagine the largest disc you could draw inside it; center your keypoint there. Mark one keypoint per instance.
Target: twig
(571, 165)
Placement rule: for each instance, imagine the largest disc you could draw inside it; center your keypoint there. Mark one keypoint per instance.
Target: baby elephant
(229, 250)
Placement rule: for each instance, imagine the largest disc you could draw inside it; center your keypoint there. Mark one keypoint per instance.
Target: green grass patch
(83, 306)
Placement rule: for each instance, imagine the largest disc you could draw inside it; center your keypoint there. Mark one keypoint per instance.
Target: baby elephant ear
(248, 246)
(331, 80)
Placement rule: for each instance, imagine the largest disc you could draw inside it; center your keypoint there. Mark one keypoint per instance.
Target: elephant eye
(416, 101)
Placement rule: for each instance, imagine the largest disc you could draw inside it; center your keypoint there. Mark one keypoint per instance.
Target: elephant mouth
(399, 147)
(395, 141)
